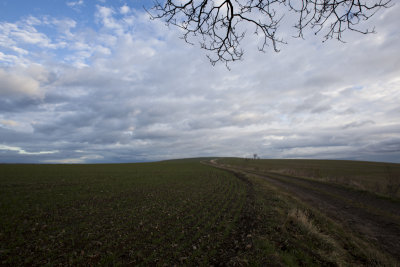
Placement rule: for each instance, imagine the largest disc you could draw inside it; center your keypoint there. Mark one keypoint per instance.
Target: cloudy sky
(97, 81)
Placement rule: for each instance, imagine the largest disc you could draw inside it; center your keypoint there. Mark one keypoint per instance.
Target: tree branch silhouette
(217, 24)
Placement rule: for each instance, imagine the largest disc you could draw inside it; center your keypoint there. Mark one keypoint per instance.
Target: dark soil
(241, 238)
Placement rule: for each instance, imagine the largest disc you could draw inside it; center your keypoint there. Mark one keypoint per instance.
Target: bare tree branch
(216, 24)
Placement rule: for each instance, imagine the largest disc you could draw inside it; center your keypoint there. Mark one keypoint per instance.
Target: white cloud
(23, 152)
(9, 123)
(75, 3)
(13, 84)
(105, 15)
(64, 26)
(24, 81)
(9, 59)
(124, 9)
(29, 35)
(21, 36)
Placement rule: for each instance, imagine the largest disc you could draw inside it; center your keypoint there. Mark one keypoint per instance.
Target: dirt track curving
(376, 219)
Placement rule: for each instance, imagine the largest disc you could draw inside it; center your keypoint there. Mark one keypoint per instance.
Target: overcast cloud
(123, 88)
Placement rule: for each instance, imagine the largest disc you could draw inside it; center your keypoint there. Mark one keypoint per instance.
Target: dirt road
(376, 219)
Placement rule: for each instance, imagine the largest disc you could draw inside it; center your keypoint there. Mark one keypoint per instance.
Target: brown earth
(372, 217)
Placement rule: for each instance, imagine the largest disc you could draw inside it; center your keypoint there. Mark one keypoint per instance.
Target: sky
(98, 81)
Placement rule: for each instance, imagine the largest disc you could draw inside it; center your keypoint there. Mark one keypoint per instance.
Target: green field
(178, 212)
(376, 177)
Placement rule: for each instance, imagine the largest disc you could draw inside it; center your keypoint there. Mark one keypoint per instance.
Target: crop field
(180, 212)
(124, 213)
(376, 177)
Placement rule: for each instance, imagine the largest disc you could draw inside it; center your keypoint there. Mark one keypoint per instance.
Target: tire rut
(372, 217)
